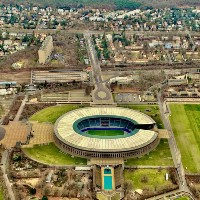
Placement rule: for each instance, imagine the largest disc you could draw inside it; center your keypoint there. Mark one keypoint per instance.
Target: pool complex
(108, 183)
(107, 178)
(107, 171)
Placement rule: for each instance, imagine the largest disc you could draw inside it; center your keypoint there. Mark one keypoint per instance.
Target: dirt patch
(13, 110)
(30, 109)
(32, 181)
(19, 77)
(28, 56)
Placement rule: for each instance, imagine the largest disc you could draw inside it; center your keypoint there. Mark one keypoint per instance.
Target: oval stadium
(105, 132)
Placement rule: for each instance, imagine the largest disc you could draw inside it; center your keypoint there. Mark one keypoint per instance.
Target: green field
(1, 194)
(1, 110)
(50, 154)
(183, 198)
(106, 132)
(102, 196)
(51, 114)
(150, 110)
(150, 179)
(185, 121)
(161, 156)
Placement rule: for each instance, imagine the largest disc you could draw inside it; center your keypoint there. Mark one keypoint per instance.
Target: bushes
(32, 191)
(44, 198)
(173, 175)
(17, 157)
(30, 109)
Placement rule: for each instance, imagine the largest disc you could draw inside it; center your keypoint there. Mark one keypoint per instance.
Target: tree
(32, 191)
(47, 190)
(144, 179)
(88, 90)
(128, 186)
(63, 23)
(44, 198)
(25, 38)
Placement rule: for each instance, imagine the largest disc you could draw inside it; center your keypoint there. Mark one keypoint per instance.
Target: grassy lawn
(106, 132)
(101, 196)
(150, 179)
(51, 114)
(50, 154)
(116, 197)
(150, 110)
(183, 198)
(1, 193)
(185, 121)
(1, 110)
(161, 156)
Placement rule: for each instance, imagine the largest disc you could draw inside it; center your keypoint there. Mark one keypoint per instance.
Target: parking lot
(127, 98)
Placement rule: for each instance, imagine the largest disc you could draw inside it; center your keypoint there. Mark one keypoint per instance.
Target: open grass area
(183, 198)
(50, 154)
(1, 193)
(161, 156)
(149, 179)
(102, 196)
(51, 114)
(185, 121)
(106, 132)
(150, 110)
(116, 196)
(1, 110)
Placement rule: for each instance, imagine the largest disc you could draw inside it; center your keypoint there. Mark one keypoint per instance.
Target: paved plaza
(127, 98)
(18, 131)
(42, 134)
(163, 133)
(15, 132)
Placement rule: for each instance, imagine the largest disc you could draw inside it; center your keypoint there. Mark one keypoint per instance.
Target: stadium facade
(71, 133)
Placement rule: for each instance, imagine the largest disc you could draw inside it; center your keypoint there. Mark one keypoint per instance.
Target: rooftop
(65, 132)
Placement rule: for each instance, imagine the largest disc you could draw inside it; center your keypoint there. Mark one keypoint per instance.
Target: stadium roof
(65, 132)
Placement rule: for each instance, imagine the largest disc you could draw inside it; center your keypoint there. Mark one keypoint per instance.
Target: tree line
(114, 4)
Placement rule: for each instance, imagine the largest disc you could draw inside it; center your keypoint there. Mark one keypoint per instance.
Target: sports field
(105, 132)
(185, 121)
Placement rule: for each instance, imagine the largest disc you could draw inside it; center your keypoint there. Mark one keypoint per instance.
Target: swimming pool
(107, 182)
(107, 171)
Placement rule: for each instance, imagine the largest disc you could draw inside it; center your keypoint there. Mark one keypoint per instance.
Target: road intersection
(101, 95)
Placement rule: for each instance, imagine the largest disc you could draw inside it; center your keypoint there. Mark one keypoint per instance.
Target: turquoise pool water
(107, 182)
(107, 171)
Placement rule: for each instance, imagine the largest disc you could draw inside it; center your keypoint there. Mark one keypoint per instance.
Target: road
(176, 155)
(5, 176)
(53, 31)
(19, 112)
(5, 154)
(172, 195)
(189, 34)
(101, 95)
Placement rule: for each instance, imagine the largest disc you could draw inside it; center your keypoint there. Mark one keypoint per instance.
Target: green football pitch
(106, 132)
(185, 121)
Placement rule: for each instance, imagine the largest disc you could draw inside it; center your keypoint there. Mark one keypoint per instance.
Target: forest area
(113, 4)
